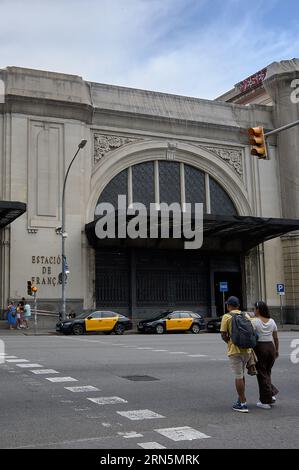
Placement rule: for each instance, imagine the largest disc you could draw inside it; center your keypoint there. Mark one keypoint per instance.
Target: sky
(198, 48)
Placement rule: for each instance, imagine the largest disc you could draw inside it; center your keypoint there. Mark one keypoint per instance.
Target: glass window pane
(117, 186)
(96, 315)
(194, 185)
(221, 203)
(169, 179)
(143, 183)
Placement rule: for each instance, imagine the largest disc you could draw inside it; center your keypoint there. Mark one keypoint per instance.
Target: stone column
(282, 84)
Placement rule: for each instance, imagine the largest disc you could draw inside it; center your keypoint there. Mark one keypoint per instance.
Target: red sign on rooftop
(253, 81)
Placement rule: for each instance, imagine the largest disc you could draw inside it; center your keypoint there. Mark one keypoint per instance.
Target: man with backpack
(237, 331)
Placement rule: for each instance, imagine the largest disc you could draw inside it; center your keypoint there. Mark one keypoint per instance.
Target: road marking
(197, 355)
(150, 445)
(138, 415)
(61, 379)
(144, 348)
(160, 350)
(28, 365)
(177, 352)
(107, 400)
(17, 360)
(130, 435)
(83, 388)
(44, 371)
(5, 357)
(184, 433)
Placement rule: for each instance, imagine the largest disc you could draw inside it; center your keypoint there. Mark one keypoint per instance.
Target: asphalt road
(189, 386)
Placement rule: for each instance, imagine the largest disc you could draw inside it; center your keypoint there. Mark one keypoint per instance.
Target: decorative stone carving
(171, 150)
(105, 143)
(232, 156)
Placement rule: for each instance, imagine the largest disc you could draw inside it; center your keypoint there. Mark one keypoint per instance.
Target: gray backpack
(243, 334)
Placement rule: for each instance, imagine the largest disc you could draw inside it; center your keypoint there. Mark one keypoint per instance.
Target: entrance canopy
(236, 234)
(9, 211)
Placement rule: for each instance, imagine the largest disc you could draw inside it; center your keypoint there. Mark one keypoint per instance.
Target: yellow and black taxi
(172, 321)
(98, 321)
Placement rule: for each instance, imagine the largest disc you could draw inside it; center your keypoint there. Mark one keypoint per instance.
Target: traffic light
(29, 287)
(258, 142)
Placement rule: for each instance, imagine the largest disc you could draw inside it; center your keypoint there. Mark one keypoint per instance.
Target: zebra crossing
(174, 434)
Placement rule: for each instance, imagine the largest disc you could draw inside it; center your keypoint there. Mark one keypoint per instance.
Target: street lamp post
(64, 234)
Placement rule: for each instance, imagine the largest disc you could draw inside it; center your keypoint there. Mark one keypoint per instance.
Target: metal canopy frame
(9, 211)
(236, 234)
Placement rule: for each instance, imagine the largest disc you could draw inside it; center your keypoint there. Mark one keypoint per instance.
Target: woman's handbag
(251, 364)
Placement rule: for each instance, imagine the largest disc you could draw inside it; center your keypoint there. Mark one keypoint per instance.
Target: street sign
(280, 289)
(223, 286)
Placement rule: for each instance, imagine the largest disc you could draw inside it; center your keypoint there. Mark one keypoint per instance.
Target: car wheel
(78, 330)
(195, 328)
(159, 329)
(119, 329)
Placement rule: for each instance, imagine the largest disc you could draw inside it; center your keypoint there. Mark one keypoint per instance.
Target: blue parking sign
(223, 286)
(280, 289)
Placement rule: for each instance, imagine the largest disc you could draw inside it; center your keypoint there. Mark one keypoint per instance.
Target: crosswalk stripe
(177, 352)
(150, 445)
(44, 371)
(130, 435)
(61, 379)
(27, 366)
(138, 415)
(107, 400)
(82, 388)
(183, 433)
(17, 360)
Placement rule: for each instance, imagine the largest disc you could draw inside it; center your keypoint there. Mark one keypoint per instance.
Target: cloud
(190, 47)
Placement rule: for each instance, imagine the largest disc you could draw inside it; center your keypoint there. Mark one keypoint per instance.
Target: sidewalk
(5, 331)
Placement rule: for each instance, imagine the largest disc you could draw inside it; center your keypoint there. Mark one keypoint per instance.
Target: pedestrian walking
(239, 347)
(27, 314)
(12, 316)
(267, 351)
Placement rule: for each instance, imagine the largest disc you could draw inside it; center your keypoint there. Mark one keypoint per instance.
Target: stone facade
(43, 118)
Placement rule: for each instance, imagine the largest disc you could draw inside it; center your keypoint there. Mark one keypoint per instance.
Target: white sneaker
(273, 400)
(263, 405)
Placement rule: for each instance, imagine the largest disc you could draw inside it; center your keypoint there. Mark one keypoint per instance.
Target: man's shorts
(238, 363)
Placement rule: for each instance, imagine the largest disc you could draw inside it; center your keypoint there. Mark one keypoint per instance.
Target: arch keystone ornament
(171, 150)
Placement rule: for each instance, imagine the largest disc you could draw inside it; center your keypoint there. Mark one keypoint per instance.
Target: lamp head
(82, 144)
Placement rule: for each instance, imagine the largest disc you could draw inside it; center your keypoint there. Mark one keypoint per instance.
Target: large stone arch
(131, 154)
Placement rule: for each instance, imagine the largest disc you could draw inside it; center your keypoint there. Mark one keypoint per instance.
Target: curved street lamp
(64, 234)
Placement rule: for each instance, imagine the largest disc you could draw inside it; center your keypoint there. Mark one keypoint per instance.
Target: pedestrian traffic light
(29, 287)
(258, 142)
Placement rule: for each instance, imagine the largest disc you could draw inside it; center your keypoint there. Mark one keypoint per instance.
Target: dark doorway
(234, 281)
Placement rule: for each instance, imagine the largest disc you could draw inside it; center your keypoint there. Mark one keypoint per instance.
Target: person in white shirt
(27, 314)
(267, 351)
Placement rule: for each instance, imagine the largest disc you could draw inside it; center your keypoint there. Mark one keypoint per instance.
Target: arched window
(166, 181)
